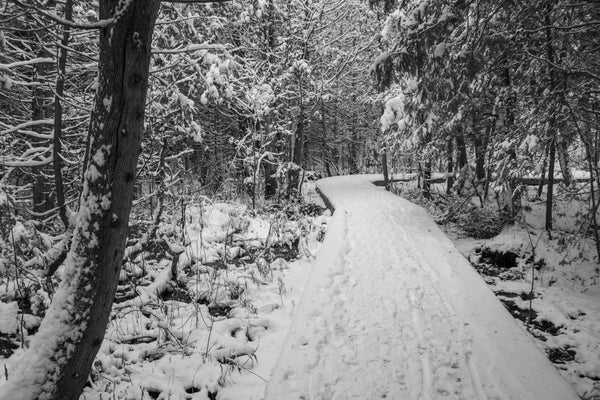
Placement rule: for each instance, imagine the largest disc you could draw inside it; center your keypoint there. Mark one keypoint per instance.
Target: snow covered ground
(393, 310)
(565, 303)
(214, 331)
(565, 295)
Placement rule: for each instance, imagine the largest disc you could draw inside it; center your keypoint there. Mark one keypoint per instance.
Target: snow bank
(9, 321)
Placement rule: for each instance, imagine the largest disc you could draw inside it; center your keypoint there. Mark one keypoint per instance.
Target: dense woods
(112, 107)
(495, 92)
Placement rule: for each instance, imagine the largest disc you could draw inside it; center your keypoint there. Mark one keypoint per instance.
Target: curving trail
(392, 310)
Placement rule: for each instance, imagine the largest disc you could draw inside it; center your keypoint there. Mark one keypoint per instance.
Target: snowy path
(392, 310)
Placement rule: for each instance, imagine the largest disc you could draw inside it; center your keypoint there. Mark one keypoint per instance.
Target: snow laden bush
(472, 220)
(25, 288)
(481, 223)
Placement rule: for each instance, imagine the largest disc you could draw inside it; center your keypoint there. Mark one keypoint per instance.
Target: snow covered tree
(486, 84)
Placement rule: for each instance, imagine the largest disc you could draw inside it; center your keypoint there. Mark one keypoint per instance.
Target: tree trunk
(72, 331)
(335, 152)
(270, 180)
(297, 157)
(550, 191)
(58, 114)
(449, 165)
(480, 149)
(461, 147)
(386, 176)
(325, 142)
(427, 179)
(269, 166)
(42, 200)
(552, 121)
(543, 174)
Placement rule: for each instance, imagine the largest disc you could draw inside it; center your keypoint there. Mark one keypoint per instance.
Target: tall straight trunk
(58, 114)
(297, 157)
(335, 156)
(298, 152)
(427, 179)
(550, 190)
(552, 121)
(41, 190)
(269, 167)
(449, 165)
(488, 170)
(306, 149)
(71, 333)
(386, 176)
(480, 145)
(513, 197)
(353, 156)
(461, 147)
(270, 181)
(328, 168)
(325, 142)
(543, 174)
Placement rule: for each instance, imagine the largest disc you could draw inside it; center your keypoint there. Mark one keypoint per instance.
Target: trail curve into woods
(393, 310)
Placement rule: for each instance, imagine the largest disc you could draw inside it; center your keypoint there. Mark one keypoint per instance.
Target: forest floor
(209, 328)
(229, 319)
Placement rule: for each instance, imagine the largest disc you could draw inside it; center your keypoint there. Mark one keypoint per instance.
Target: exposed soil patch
(287, 252)
(496, 263)
(177, 293)
(219, 310)
(538, 326)
(7, 346)
(311, 209)
(561, 355)
(153, 393)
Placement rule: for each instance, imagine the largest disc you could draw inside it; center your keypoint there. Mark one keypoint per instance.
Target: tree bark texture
(41, 109)
(58, 120)
(58, 362)
(449, 165)
(297, 157)
(270, 168)
(386, 175)
(550, 189)
(543, 173)
(461, 147)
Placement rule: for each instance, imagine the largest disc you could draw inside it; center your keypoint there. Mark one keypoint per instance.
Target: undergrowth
(190, 299)
(470, 219)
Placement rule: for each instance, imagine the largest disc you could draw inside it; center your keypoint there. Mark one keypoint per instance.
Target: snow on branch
(26, 163)
(195, 1)
(191, 47)
(39, 60)
(29, 158)
(28, 124)
(184, 152)
(103, 23)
